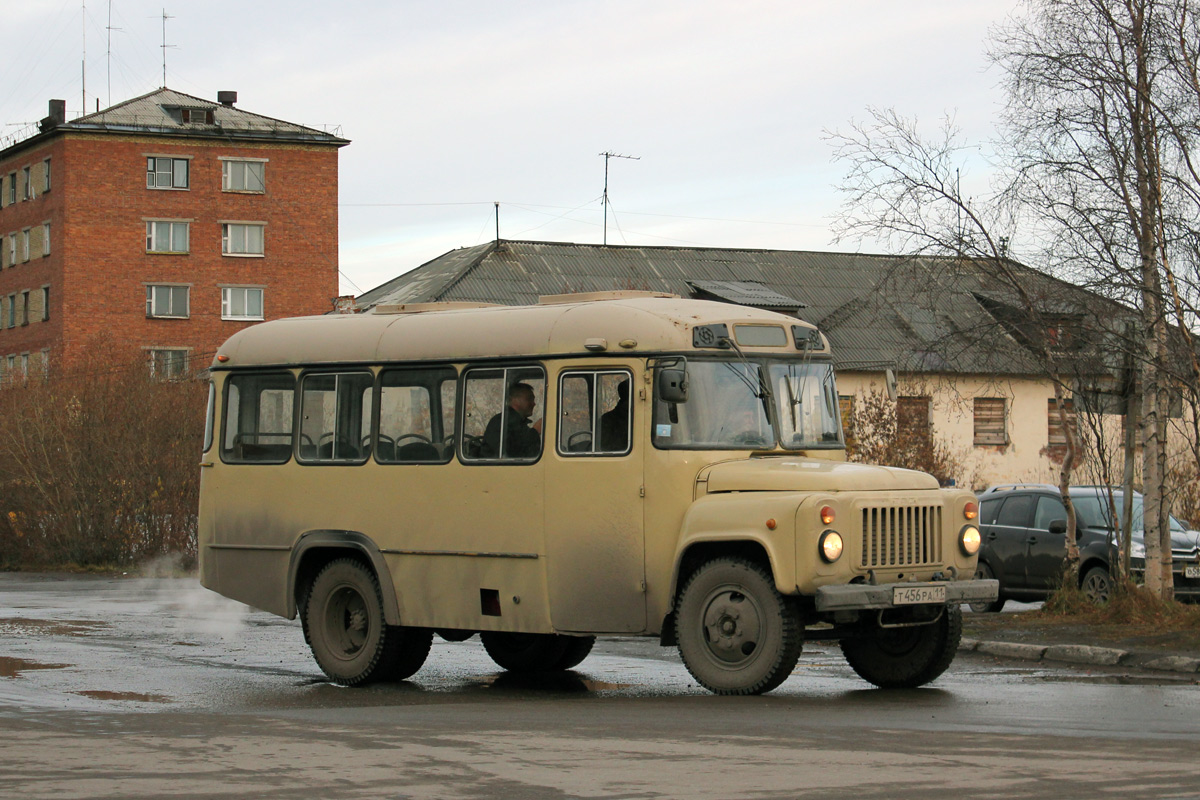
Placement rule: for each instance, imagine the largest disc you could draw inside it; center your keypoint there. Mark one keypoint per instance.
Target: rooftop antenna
(497, 222)
(83, 90)
(110, 29)
(607, 155)
(165, 17)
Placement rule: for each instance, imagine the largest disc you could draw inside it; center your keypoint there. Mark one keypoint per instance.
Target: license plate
(1191, 570)
(918, 595)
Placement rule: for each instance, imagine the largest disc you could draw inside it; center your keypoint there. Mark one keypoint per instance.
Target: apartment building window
(25, 245)
(167, 301)
(167, 363)
(27, 186)
(12, 311)
(12, 249)
(242, 238)
(1055, 434)
(166, 173)
(46, 176)
(990, 421)
(45, 304)
(243, 176)
(23, 307)
(45, 239)
(241, 302)
(12, 188)
(163, 236)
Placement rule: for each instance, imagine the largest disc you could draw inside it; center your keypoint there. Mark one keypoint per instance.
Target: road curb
(1081, 654)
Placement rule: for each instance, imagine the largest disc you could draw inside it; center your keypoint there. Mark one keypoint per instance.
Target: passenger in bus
(521, 439)
(614, 424)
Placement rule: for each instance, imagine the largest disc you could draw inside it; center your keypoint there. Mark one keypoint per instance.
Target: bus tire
(904, 658)
(737, 634)
(412, 648)
(349, 637)
(525, 652)
(578, 648)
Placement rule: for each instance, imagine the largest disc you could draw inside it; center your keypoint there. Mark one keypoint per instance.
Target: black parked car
(1024, 528)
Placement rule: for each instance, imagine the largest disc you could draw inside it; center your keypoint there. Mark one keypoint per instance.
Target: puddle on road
(12, 667)
(97, 694)
(81, 627)
(553, 682)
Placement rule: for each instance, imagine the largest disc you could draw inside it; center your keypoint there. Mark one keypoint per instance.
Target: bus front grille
(902, 536)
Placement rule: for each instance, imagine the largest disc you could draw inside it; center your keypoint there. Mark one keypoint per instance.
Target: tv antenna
(110, 29)
(607, 155)
(165, 17)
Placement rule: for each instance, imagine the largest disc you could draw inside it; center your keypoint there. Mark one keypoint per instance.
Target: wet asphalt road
(114, 688)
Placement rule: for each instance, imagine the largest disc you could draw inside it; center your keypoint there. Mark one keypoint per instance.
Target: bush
(100, 469)
(875, 436)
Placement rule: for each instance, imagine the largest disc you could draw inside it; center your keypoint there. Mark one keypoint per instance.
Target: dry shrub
(99, 469)
(1130, 604)
(878, 438)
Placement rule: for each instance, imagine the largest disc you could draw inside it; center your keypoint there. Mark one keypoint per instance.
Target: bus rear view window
(258, 418)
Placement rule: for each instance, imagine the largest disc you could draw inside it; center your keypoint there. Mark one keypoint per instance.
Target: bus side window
(494, 422)
(414, 425)
(258, 418)
(332, 409)
(594, 412)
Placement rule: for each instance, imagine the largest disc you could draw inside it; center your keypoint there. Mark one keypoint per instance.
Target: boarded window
(990, 424)
(912, 416)
(1056, 435)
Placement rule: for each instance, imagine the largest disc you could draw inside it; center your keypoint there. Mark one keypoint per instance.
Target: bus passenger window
(334, 415)
(594, 412)
(502, 414)
(258, 418)
(415, 425)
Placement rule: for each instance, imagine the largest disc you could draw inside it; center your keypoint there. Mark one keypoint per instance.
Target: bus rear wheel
(737, 634)
(904, 658)
(345, 626)
(533, 652)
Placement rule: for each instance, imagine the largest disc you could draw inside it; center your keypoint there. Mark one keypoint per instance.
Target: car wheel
(984, 572)
(737, 634)
(1097, 585)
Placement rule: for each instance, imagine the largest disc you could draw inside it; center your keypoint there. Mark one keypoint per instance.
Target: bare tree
(905, 189)
(1097, 152)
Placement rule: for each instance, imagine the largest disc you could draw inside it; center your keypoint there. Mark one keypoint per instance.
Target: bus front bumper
(858, 596)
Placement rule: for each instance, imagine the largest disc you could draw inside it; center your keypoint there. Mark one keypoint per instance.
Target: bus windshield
(754, 404)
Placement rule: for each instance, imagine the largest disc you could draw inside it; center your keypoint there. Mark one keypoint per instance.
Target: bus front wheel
(349, 637)
(905, 657)
(737, 634)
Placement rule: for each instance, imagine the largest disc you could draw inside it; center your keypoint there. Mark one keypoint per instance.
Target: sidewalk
(1020, 636)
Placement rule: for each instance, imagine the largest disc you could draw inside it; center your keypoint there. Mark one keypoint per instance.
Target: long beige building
(962, 349)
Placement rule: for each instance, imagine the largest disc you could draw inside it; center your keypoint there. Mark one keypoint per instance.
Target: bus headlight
(830, 546)
(969, 540)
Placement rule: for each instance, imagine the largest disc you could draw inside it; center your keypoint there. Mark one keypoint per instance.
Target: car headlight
(969, 540)
(830, 546)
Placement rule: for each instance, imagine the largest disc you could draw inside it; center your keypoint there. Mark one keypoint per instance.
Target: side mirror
(1058, 526)
(672, 384)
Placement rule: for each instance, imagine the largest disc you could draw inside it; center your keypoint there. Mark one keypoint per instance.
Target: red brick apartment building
(160, 226)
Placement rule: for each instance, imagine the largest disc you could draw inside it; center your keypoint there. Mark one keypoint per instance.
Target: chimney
(58, 115)
(227, 98)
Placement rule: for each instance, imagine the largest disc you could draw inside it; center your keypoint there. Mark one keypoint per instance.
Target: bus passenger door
(595, 544)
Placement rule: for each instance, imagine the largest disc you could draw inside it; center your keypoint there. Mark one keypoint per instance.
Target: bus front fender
(328, 545)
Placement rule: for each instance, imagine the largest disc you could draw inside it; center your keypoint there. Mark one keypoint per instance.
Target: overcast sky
(452, 105)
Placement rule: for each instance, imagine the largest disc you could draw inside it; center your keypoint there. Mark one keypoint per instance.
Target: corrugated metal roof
(918, 314)
(157, 112)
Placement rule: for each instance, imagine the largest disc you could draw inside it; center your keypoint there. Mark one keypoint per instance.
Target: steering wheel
(749, 437)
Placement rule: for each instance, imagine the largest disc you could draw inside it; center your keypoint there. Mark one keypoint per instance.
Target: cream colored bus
(625, 463)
